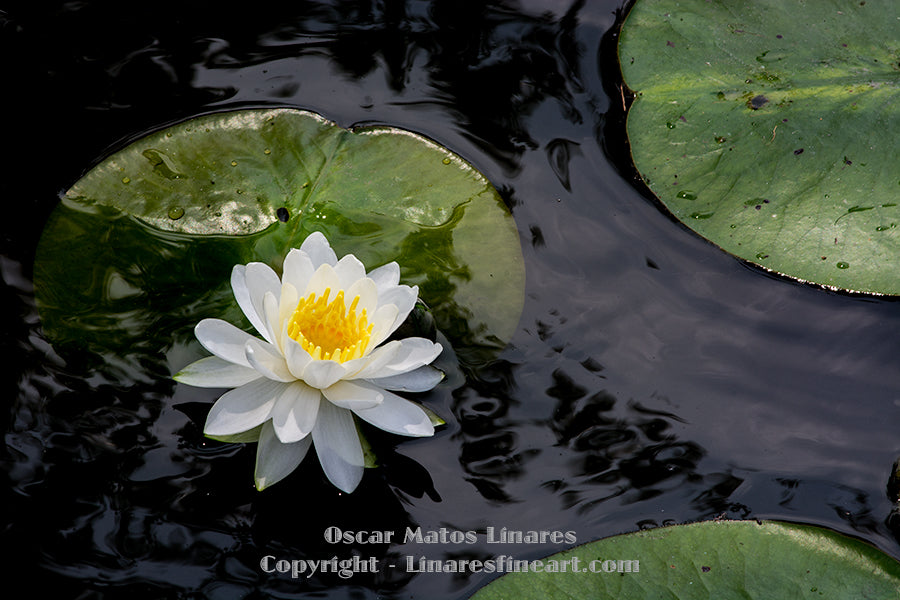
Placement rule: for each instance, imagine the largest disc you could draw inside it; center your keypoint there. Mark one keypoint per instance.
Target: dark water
(653, 379)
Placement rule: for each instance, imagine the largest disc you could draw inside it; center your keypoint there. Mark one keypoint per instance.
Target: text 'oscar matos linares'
(335, 535)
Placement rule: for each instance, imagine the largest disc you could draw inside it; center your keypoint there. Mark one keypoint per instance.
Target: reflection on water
(599, 451)
(652, 379)
(487, 66)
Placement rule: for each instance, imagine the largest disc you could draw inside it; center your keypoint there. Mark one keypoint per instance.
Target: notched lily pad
(797, 103)
(750, 560)
(143, 244)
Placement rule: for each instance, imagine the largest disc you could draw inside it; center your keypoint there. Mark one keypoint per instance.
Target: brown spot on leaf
(757, 102)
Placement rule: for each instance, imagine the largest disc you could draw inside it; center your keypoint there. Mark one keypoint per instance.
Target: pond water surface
(652, 380)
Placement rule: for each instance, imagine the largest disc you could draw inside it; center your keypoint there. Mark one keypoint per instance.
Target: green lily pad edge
(772, 129)
(142, 246)
(751, 560)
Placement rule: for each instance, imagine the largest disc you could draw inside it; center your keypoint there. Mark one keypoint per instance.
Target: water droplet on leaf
(686, 195)
(176, 212)
(157, 160)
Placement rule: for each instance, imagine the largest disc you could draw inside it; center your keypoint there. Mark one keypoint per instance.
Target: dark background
(653, 379)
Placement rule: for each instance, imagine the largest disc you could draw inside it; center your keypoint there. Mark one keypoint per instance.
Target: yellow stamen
(329, 330)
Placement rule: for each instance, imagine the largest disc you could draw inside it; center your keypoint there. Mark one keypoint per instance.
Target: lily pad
(772, 129)
(713, 559)
(142, 245)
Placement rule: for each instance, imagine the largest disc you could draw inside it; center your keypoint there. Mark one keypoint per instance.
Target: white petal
(242, 295)
(266, 359)
(418, 380)
(338, 447)
(245, 437)
(270, 311)
(324, 278)
(318, 250)
(383, 321)
(322, 373)
(398, 415)
(260, 280)
(298, 269)
(297, 358)
(412, 354)
(223, 339)
(243, 408)
(353, 396)
(286, 307)
(349, 270)
(386, 276)
(367, 291)
(214, 372)
(274, 460)
(371, 364)
(295, 412)
(404, 298)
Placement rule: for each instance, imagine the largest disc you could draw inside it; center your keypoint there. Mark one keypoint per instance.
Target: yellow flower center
(328, 330)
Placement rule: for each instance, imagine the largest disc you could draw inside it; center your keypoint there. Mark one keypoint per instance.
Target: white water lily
(320, 362)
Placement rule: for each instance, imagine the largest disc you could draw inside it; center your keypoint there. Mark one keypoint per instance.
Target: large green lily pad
(142, 246)
(772, 129)
(713, 559)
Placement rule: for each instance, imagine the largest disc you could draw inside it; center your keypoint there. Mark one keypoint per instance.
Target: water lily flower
(321, 360)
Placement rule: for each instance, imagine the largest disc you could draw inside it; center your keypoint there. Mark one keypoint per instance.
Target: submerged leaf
(143, 244)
